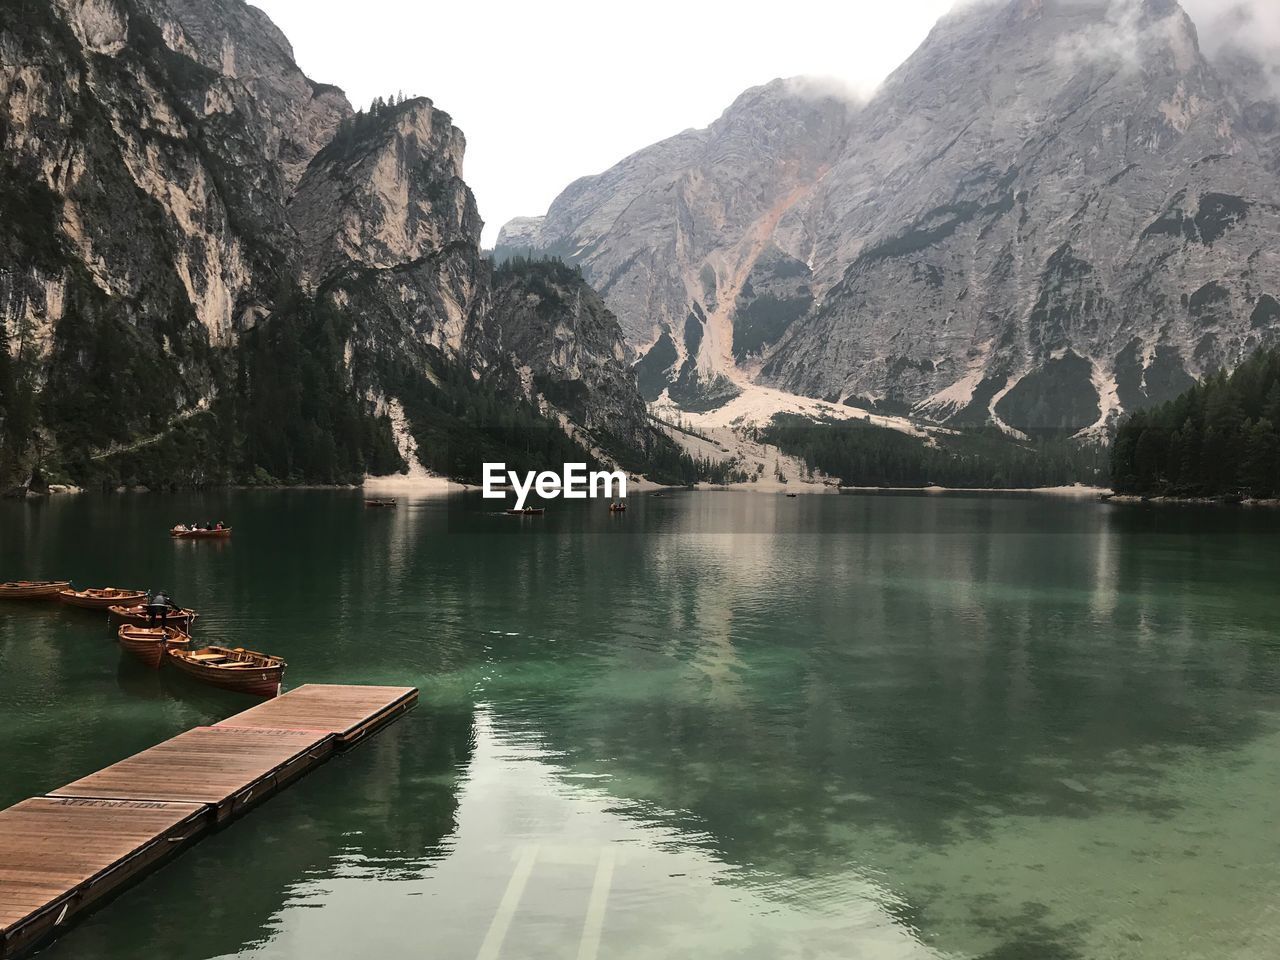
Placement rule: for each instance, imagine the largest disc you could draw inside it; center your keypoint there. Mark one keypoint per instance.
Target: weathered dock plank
(349, 712)
(63, 853)
(59, 856)
(229, 768)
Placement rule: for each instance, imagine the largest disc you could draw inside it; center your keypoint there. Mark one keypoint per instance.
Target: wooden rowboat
(527, 512)
(148, 644)
(32, 589)
(137, 615)
(95, 599)
(232, 669)
(382, 502)
(182, 533)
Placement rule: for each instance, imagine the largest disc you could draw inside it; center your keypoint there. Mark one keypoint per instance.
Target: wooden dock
(64, 853)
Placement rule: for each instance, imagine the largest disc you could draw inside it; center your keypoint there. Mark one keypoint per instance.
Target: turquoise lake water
(720, 725)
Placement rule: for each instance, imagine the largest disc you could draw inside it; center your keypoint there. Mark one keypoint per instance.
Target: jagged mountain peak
(387, 194)
(1052, 205)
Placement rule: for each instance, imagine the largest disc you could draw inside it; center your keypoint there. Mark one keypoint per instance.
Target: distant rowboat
(186, 533)
(527, 512)
(137, 615)
(383, 502)
(232, 669)
(148, 644)
(32, 589)
(617, 508)
(102, 599)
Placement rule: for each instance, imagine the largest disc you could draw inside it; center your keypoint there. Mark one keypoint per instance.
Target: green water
(722, 725)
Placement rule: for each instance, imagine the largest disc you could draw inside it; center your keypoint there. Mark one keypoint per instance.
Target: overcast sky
(549, 90)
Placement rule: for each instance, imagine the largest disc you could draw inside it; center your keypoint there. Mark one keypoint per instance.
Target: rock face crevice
(1044, 191)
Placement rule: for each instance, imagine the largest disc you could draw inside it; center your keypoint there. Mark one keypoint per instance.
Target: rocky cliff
(670, 235)
(212, 269)
(572, 355)
(1054, 211)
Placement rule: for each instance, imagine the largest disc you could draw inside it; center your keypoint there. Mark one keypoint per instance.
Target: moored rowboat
(137, 615)
(32, 589)
(186, 533)
(232, 669)
(148, 644)
(101, 599)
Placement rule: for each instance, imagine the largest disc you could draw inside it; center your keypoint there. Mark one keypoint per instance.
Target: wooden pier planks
(349, 712)
(228, 768)
(60, 855)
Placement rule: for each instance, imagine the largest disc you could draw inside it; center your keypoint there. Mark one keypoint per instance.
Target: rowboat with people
(137, 615)
(102, 598)
(380, 502)
(245, 671)
(195, 532)
(149, 644)
(527, 512)
(32, 589)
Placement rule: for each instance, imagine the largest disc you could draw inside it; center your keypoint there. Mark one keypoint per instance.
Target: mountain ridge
(213, 269)
(1052, 213)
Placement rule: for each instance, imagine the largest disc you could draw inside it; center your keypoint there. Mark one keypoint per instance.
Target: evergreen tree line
(355, 127)
(19, 412)
(287, 410)
(1219, 439)
(861, 454)
(533, 266)
(283, 411)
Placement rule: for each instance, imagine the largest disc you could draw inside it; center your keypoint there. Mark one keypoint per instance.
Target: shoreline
(1072, 491)
(1077, 492)
(442, 486)
(1136, 499)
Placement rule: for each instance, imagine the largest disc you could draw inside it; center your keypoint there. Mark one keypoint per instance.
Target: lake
(719, 725)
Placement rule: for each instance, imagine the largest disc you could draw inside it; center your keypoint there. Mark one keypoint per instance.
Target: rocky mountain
(1053, 212)
(212, 269)
(669, 235)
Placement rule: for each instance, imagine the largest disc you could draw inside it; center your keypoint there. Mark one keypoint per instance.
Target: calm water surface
(722, 725)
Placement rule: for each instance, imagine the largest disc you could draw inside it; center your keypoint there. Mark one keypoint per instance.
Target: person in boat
(158, 607)
(219, 526)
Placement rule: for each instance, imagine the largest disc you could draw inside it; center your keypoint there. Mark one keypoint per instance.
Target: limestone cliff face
(142, 189)
(570, 349)
(1075, 230)
(1054, 211)
(670, 235)
(290, 116)
(210, 267)
(384, 216)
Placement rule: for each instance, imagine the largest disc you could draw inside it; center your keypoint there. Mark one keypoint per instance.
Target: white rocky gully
(573, 482)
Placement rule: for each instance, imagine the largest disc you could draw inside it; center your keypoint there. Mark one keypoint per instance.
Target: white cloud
(1253, 24)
